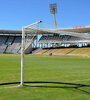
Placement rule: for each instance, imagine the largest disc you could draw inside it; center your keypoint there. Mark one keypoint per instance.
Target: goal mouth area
(74, 85)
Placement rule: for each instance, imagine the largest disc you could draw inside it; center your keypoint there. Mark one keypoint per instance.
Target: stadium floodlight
(53, 10)
(23, 51)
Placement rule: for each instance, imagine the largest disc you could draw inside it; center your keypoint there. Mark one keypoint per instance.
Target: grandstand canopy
(41, 28)
(78, 30)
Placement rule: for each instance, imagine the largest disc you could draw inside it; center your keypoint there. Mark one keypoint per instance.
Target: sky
(17, 13)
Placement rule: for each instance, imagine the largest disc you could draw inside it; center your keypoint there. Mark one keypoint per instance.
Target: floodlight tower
(53, 10)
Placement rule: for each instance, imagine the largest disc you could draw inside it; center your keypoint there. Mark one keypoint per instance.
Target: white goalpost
(22, 57)
(24, 30)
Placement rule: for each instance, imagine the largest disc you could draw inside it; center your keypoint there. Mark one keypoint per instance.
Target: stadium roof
(67, 31)
(78, 30)
(10, 32)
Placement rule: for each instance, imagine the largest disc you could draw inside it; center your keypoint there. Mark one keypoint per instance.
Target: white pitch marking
(37, 84)
(25, 84)
(10, 87)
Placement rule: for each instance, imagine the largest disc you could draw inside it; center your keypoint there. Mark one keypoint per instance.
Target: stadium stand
(52, 39)
(81, 51)
(2, 43)
(10, 40)
(2, 48)
(35, 51)
(13, 47)
(61, 51)
(42, 51)
(61, 38)
(3, 39)
(41, 38)
(66, 51)
(73, 38)
(11, 44)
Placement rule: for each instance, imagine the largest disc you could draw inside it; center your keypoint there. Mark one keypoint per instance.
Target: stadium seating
(61, 51)
(42, 51)
(81, 51)
(2, 43)
(73, 38)
(52, 39)
(2, 48)
(3, 39)
(10, 40)
(62, 38)
(66, 51)
(12, 44)
(14, 47)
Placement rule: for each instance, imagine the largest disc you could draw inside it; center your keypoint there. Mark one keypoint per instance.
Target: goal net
(38, 28)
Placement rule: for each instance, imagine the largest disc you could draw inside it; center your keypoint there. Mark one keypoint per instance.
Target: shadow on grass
(74, 86)
(84, 91)
(67, 87)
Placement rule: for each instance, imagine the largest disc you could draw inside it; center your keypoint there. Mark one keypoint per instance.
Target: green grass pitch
(45, 68)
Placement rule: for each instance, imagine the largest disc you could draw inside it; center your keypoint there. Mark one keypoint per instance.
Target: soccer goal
(25, 30)
(31, 29)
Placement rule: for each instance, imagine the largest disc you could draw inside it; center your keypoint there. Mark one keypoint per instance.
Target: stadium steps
(19, 51)
(5, 44)
(48, 51)
(72, 51)
(7, 39)
(13, 45)
(5, 49)
(45, 51)
(42, 51)
(62, 51)
(13, 40)
(36, 51)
